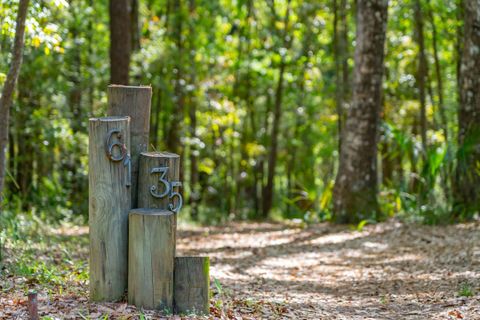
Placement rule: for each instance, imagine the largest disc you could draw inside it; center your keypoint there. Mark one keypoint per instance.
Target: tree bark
(422, 74)
(355, 191)
(340, 47)
(9, 87)
(176, 124)
(120, 41)
(277, 114)
(135, 25)
(77, 185)
(467, 181)
(439, 77)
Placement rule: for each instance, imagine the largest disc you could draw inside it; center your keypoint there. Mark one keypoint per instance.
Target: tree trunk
(441, 107)
(120, 41)
(25, 137)
(135, 25)
(355, 191)
(9, 87)
(422, 74)
(439, 78)
(467, 182)
(277, 114)
(192, 113)
(77, 186)
(340, 47)
(176, 124)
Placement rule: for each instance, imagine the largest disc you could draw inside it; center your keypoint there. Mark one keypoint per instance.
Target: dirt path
(274, 271)
(387, 271)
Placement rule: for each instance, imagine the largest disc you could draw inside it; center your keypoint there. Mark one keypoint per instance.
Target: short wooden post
(150, 258)
(191, 283)
(109, 204)
(33, 305)
(159, 181)
(134, 102)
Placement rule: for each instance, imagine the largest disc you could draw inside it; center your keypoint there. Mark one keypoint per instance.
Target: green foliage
(214, 69)
(466, 290)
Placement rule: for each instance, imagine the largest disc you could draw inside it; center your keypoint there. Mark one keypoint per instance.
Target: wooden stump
(32, 306)
(109, 204)
(134, 102)
(158, 180)
(151, 258)
(191, 283)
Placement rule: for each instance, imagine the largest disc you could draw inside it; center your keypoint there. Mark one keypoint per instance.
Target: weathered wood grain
(134, 102)
(109, 203)
(191, 283)
(151, 258)
(146, 179)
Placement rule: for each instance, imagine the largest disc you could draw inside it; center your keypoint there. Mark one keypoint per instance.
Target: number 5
(174, 194)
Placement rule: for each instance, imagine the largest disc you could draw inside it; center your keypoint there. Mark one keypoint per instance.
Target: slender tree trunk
(135, 25)
(25, 155)
(467, 182)
(120, 41)
(90, 54)
(9, 87)
(422, 73)
(441, 106)
(355, 191)
(439, 77)
(192, 113)
(340, 46)
(277, 114)
(74, 102)
(459, 42)
(176, 125)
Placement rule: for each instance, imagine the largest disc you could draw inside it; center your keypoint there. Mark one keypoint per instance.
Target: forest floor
(275, 271)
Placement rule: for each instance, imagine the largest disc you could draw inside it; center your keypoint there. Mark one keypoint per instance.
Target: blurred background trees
(258, 97)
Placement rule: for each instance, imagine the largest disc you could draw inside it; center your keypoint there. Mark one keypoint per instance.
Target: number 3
(162, 179)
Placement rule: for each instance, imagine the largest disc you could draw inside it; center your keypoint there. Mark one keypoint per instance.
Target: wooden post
(109, 204)
(134, 102)
(191, 283)
(33, 305)
(158, 180)
(150, 258)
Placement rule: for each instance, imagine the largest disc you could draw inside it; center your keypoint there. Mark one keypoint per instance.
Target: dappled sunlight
(388, 269)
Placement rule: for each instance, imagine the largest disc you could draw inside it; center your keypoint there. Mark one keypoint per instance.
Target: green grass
(44, 260)
(466, 290)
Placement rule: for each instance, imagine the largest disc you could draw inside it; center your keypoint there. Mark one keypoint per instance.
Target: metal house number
(168, 189)
(121, 152)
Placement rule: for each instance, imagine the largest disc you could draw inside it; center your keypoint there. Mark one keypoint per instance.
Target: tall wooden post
(159, 183)
(150, 258)
(109, 204)
(134, 102)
